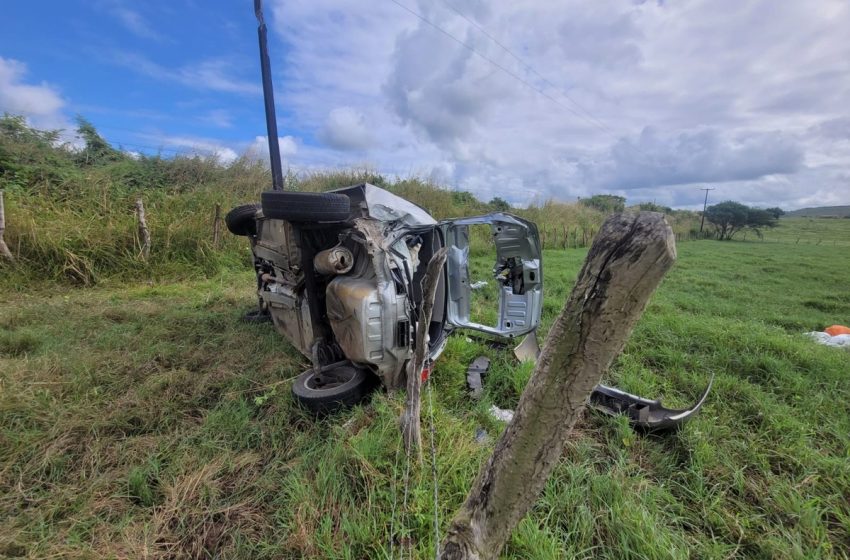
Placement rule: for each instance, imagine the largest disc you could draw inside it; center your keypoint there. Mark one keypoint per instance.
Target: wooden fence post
(144, 232)
(626, 263)
(4, 249)
(566, 237)
(217, 225)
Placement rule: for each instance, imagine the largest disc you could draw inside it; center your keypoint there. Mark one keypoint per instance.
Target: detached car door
(517, 274)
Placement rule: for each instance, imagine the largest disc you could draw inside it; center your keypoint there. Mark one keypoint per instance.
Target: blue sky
(145, 71)
(523, 99)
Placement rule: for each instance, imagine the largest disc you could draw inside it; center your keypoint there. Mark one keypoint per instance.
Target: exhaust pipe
(268, 99)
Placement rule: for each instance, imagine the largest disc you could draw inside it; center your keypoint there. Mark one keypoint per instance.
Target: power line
(496, 64)
(525, 65)
(589, 118)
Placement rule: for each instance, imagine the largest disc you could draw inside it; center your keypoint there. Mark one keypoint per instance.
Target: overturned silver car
(340, 275)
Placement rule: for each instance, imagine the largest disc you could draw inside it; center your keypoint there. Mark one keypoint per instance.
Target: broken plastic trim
(644, 414)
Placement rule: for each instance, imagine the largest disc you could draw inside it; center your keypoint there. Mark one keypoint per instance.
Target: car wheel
(242, 220)
(333, 388)
(306, 206)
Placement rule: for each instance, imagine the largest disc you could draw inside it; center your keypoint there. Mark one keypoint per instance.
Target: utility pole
(704, 205)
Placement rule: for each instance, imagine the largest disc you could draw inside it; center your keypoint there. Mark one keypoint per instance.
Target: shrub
(730, 217)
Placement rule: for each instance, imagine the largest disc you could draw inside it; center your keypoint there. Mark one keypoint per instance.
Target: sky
(527, 100)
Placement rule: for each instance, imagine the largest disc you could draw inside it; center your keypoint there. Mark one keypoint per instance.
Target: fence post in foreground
(410, 425)
(628, 259)
(144, 232)
(4, 249)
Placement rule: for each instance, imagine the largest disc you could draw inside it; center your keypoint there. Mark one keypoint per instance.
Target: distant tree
(31, 157)
(758, 219)
(463, 198)
(607, 203)
(15, 128)
(499, 204)
(777, 212)
(652, 207)
(97, 149)
(731, 217)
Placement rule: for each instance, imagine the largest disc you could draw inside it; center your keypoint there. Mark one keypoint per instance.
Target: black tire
(306, 206)
(242, 220)
(333, 389)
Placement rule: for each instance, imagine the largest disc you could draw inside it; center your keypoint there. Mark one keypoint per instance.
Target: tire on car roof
(242, 220)
(305, 206)
(333, 388)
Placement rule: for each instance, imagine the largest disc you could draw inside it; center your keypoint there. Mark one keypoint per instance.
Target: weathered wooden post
(217, 225)
(410, 425)
(566, 237)
(144, 232)
(4, 249)
(626, 262)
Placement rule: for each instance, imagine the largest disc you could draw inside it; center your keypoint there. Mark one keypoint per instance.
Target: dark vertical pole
(704, 206)
(268, 98)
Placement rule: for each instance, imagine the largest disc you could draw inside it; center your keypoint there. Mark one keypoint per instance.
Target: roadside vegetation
(140, 418)
(71, 213)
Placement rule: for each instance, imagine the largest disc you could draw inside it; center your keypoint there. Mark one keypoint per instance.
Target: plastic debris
(475, 374)
(478, 285)
(836, 330)
(501, 413)
(838, 341)
(528, 349)
(481, 436)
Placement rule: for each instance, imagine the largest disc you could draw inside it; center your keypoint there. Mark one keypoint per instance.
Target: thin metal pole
(704, 205)
(268, 98)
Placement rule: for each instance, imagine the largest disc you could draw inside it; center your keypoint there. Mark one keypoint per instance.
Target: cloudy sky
(522, 99)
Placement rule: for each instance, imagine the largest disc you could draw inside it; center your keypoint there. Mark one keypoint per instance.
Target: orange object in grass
(836, 330)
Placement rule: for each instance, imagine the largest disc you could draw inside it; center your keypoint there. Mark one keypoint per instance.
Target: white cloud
(259, 148)
(132, 20)
(655, 160)
(346, 129)
(216, 74)
(41, 104)
(193, 145)
(747, 97)
(218, 117)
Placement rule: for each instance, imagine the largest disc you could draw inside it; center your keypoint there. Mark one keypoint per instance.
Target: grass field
(811, 231)
(144, 420)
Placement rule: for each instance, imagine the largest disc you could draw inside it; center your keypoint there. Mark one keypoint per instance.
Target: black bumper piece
(644, 414)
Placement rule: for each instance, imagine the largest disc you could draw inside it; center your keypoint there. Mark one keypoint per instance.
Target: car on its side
(340, 276)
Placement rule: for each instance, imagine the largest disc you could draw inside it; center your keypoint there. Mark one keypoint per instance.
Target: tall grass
(70, 214)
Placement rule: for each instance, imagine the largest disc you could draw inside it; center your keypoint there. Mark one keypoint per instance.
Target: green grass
(833, 232)
(143, 418)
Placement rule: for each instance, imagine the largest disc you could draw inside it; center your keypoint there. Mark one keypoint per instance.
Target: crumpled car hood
(369, 201)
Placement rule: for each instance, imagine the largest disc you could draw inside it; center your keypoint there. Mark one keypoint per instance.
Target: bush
(607, 203)
(730, 217)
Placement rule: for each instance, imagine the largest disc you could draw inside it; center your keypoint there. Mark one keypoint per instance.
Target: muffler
(337, 260)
